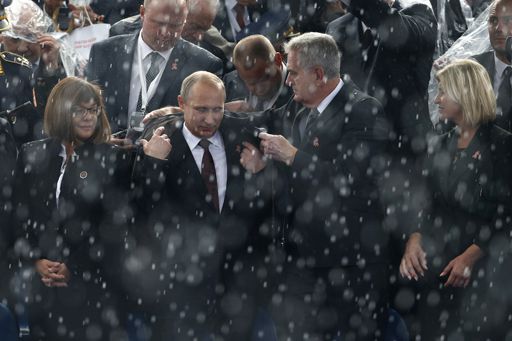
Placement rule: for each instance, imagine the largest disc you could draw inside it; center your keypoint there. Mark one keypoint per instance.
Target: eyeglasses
(82, 112)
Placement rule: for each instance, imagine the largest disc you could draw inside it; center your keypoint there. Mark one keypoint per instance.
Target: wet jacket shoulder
(15, 80)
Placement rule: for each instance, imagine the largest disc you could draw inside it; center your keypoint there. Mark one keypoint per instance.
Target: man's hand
(53, 274)
(159, 146)
(49, 53)
(252, 159)
(414, 260)
(459, 269)
(80, 17)
(278, 148)
(160, 112)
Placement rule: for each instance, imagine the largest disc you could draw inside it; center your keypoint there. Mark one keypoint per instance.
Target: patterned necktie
(153, 71)
(240, 14)
(208, 173)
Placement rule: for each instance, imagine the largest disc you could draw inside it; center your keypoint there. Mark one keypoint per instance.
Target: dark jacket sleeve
(410, 29)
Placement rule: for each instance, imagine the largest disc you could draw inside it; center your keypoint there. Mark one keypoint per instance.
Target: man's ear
(320, 74)
(141, 12)
(278, 59)
(181, 102)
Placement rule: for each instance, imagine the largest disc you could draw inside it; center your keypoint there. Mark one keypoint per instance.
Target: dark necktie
(240, 14)
(306, 122)
(208, 173)
(504, 101)
(153, 71)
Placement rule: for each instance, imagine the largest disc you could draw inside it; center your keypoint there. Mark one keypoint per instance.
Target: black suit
(468, 198)
(335, 222)
(205, 243)
(236, 90)
(397, 70)
(486, 59)
(83, 231)
(8, 156)
(115, 77)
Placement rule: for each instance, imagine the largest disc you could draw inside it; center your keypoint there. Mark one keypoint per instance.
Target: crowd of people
(255, 170)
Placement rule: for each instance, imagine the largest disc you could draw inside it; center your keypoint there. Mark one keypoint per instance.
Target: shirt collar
(146, 50)
(193, 141)
(500, 66)
(327, 100)
(230, 3)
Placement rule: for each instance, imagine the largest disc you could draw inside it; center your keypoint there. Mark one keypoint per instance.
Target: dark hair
(58, 114)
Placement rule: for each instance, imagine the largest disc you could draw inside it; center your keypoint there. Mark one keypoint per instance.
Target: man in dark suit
(259, 79)
(397, 46)
(157, 52)
(235, 16)
(497, 62)
(388, 52)
(331, 151)
(200, 216)
(198, 29)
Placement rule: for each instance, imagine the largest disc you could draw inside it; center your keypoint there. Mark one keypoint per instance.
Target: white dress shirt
(328, 99)
(230, 10)
(498, 75)
(146, 64)
(219, 158)
(64, 157)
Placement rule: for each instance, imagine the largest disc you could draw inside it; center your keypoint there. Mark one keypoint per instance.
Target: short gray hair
(317, 49)
(200, 76)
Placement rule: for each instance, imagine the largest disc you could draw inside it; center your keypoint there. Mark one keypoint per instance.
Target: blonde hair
(468, 84)
(58, 114)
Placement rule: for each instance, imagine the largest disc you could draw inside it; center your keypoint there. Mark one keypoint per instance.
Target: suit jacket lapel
(232, 149)
(334, 109)
(182, 158)
(125, 75)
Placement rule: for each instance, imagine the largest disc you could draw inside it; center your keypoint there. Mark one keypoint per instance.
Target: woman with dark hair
(453, 252)
(72, 208)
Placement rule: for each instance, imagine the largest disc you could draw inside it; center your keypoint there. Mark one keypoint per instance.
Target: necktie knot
(205, 144)
(507, 73)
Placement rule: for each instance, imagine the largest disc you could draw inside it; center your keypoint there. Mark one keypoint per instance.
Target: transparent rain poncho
(474, 41)
(28, 22)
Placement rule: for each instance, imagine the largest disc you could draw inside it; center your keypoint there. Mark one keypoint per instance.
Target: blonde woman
(467, 172)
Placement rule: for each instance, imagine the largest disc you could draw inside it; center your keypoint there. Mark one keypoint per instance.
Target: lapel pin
(476, 155)
(174, 65)
(83, 174)
(315, 142)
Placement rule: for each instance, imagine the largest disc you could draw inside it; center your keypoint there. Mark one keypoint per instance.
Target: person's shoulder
(9, 60)
(36, 151)
(484, 57)
(352, 93)
(193, 51)
(115, 41)
(13, 58)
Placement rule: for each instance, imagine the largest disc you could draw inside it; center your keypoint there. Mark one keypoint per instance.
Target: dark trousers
(346, 303)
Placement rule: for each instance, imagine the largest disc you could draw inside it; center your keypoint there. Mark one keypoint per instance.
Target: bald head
(253, 48)
(201, 14)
